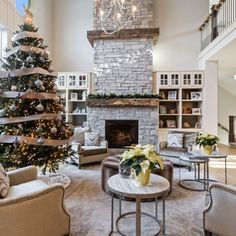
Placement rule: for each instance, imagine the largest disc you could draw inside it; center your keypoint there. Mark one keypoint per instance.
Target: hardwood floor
(217, 167)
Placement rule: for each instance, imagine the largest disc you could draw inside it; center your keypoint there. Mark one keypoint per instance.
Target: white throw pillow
(79, 134)
(92, 139)
(175, 140)
(4, 182)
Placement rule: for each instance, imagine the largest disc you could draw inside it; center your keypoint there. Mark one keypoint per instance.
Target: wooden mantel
(152, 33)
(123, 102)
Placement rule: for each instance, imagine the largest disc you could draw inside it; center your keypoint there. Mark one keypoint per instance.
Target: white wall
(178, 45)
(43, 15)
(226, 107)
(72, 19)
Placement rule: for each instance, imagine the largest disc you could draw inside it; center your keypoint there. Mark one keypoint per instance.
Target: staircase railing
(223, 127)
(222, 16)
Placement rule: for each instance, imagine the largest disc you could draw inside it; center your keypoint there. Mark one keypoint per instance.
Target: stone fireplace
(123, 65)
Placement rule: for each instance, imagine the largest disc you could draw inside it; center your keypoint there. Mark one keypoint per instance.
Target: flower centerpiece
(141, 159)
(207, 141)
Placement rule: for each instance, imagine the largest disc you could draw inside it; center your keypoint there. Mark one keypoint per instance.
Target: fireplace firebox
(120, 133)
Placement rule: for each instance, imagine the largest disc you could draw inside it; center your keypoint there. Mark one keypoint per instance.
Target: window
(20, 6)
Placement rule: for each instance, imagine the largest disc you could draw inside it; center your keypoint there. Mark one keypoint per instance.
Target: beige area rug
(89, 206)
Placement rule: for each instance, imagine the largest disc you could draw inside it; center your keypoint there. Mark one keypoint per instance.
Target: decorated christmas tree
(32, 131)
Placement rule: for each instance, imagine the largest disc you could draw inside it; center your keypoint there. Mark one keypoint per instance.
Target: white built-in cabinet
(182, 105)
(73, 88)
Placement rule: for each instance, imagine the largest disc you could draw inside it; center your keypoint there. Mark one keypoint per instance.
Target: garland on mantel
(113, 95)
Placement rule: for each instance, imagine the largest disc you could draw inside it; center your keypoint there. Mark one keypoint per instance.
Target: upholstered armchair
(31, 207)
(220, 214)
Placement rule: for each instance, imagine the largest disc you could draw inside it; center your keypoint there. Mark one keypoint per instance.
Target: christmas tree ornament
(53, 130)
(2, 112)
(29, 59)
(42, 88)
(40, 141)
(29, 90)
(38, 83)
(55, 88)
(40, 107)
(47, 54)
(13, 88)
(42, 59)
(39, 130)
(57, 99)
(50, 69)
(13, 107)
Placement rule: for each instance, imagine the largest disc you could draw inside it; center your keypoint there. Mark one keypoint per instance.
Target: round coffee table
(158, 187)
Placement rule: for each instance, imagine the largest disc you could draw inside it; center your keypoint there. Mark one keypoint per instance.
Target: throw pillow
(189, 139)
(92, 139)
(79, 135)
(175, 140)
(4, 182)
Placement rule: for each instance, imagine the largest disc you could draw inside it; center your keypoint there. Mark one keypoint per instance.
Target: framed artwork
(196, 95)
(172, 95)
(162, 109)
(73, 96)
(196, 111)
(171, 123)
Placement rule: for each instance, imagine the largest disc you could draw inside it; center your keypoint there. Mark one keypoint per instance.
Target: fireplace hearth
(120, 133)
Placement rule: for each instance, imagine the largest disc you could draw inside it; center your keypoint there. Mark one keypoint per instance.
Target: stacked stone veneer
(123, 66)
(143, 16)
(147, 118)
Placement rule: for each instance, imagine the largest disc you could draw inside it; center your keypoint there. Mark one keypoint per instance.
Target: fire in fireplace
(120, 133)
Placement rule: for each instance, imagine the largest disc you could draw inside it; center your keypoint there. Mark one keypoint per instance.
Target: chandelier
(114, 15)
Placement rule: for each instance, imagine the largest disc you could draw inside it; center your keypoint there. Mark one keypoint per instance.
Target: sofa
(88, 146)
(220, 213)
(31, 207)
(177, 144)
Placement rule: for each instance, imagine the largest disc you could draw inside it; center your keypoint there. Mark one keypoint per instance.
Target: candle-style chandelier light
(114, 15)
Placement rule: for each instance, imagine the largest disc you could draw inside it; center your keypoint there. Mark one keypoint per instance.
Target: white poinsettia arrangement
(141, 158)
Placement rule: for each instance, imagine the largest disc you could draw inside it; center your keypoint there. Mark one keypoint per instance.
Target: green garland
(113, 95)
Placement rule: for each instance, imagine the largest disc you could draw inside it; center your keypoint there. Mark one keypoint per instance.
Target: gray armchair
(31, 207)
(220, 214)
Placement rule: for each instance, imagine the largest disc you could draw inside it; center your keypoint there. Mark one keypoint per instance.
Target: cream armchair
(31, 207)
(220, 214)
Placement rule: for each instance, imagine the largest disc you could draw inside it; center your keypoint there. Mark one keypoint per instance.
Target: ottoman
(110, 167)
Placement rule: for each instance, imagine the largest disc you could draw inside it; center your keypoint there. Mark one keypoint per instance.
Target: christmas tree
(32, 131)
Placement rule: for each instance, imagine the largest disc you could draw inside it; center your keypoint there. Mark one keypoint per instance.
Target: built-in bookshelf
(182, 99)
(73, 89)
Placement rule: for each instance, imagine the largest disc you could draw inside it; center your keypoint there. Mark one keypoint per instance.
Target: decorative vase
(142, 178)
(208, 149)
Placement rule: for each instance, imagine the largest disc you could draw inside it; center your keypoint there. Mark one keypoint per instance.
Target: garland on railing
(215, 8)
(113, 95)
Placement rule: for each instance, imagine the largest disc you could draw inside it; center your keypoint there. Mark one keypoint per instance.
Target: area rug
(89, 206)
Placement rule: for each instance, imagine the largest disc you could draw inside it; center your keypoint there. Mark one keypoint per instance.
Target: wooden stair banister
(231, 129)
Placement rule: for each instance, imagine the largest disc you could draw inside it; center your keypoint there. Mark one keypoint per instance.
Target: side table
(158, 187)
(192, 184)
